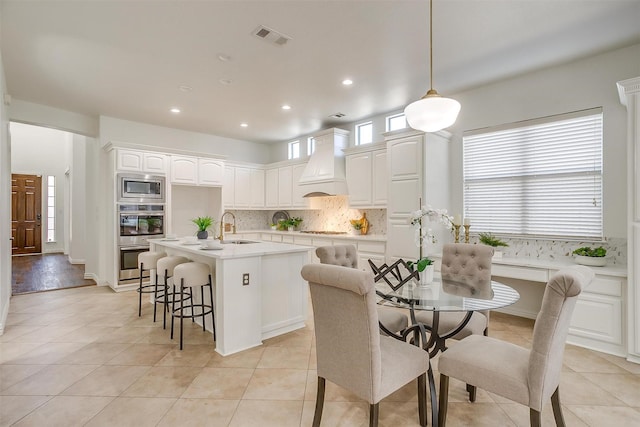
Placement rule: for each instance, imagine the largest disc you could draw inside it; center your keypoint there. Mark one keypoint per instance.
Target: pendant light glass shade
(433, 112)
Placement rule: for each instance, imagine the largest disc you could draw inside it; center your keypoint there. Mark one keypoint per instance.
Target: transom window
(294, 149)
(311, 145)
(537, 178)
(395, 122)
(364, 133)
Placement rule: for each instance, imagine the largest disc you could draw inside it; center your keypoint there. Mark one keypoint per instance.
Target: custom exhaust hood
(325, 172)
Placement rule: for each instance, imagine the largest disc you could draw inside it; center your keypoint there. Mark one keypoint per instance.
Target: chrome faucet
(221, 237)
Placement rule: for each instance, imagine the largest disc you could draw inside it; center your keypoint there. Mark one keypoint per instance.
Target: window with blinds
(539, 178)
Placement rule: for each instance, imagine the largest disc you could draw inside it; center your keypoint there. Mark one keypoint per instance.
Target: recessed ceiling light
(185, 88)
(175, 110)
(286, 107)
(244, 125)
(223, 57)
(225, 81)
(347, 82)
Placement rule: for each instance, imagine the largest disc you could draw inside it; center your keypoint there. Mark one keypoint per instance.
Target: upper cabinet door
(228, 189)
(297, 198)
(243, 187)
(184, 170)
(359, 178)
(210, 172)
(129, 160)
(379, 178)
(285, 182)
(155, 163)
(271, 188)
(257, 188)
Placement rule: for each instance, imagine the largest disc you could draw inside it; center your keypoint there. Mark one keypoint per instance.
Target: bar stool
(191, 275)
(148, 261)
(164, 272)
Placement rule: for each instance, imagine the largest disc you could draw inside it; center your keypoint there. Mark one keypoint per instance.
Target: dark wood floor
(35, 273)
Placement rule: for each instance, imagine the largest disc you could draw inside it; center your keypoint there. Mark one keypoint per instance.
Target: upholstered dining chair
(347, 256)
(528, 377)
(473, 262)
(350, 350)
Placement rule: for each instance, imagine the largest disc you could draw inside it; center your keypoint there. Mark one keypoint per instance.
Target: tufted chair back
(472, 262)
(342, 255)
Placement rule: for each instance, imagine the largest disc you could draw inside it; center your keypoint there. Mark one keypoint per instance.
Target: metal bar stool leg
(140, 292)
(182, 310)
(213, 317)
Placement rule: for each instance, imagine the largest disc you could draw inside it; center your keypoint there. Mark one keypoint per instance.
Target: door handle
(38, 217)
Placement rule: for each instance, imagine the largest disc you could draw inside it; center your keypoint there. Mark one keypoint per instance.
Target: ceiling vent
(337, 115)
(271, 36)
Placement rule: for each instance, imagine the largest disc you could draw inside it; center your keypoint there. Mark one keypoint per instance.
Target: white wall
(117, 130)
(5, 205)
(42, 115)
(189, 202)
(77, 196)
(42, 151)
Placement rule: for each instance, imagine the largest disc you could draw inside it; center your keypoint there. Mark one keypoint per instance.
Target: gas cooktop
(323, 232)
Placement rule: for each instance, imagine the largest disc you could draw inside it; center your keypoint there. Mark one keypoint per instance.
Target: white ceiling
(127, 59)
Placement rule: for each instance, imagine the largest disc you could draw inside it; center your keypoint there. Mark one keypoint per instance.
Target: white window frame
(311, 145)
(389, 119)
(51, 209)
(293, 149)
(538, 178)
(359, 128)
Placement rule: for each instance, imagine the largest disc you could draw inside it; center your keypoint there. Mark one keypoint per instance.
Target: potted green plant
(490, 240)
(273, 226)
(425, 269)
(203, 223)
(356, 227)
(594, 257)
(291, 223)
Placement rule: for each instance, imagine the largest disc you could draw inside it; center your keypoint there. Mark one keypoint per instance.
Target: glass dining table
(455, 293)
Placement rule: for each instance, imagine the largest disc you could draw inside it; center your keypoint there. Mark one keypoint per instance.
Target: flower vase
(203, 235)
(426, 276)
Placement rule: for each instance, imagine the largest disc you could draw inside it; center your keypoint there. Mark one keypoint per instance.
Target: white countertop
(230, 250)
(367, 237)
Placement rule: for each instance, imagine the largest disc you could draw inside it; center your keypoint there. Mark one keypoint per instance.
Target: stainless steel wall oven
(137, 223)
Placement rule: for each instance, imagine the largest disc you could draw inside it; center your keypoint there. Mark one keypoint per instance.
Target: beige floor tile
(14, 408)
(624, 387)
(519, 414)
(285, 357)
(458, 392)
(47, 353)
(191, 355)
(244, 359)
(14, 319)
(575, 389)
(477, 414)
(299, 338)
(271, 413)
(12, 374)
(14, 350)
(219, 383)
(63, 411)
(200, 412)
(141, 354)
(339, 414)
(631, 367)
(85, 334)
(106, 381)
(51, 380)
(582, 360)
(94, 354)
(596, 416)
(158, 336)
(12, 332)
(405, 414)
(126, 334)
(163, 381)
(46, 333)
(277, 384)
(132, 411)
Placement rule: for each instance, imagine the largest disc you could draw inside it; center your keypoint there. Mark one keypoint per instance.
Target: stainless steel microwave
(134, 188)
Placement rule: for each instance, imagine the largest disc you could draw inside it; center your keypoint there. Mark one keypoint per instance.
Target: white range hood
(325, 172)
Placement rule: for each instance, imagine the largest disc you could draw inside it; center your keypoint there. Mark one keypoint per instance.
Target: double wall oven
(141, 215)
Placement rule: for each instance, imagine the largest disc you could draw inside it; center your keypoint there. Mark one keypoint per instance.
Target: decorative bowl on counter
(591, 261)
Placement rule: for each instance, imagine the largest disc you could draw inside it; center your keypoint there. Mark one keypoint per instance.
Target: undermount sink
(237, 242)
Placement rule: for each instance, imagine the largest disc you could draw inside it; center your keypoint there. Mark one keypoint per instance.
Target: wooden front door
(26, 214)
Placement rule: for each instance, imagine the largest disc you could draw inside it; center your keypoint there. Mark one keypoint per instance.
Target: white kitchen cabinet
(228, 188)
(184, 170)
(210, 172)
(366, 171)
(271, 188)
(257, 188)
(140, 161)
(297, 199)
(242, 187)
(374, 251)
(285, 182)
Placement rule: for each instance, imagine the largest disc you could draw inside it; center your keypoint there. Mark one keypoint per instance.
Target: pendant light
(432, 112)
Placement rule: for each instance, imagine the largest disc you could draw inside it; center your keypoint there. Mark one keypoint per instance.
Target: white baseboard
(75, 261)
(517, 312)
(4, 315)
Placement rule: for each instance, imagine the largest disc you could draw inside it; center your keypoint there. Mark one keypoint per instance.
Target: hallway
(36, 273)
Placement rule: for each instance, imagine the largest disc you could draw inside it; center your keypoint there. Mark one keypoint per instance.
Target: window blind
(539, 178)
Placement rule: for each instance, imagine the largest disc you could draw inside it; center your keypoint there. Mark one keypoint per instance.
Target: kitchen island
(258, 290)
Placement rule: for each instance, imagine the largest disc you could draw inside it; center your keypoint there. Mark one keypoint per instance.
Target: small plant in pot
(203, 223)
(594, 257)
(425, 269)
(356, 227)
(490, 240)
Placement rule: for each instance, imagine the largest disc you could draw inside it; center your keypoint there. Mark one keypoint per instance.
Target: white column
(629, 91)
